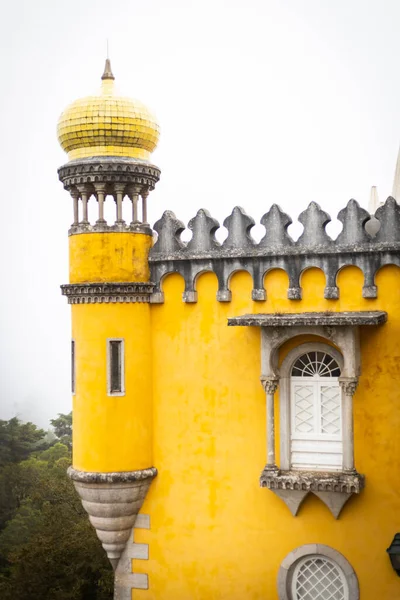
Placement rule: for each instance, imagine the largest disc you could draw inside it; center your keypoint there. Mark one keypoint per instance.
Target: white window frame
(109, 378)
(285, 383)
(291, 562)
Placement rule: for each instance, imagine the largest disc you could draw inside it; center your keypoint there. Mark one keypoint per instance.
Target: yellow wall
(215, 534)
(111, 433)
(108, 257)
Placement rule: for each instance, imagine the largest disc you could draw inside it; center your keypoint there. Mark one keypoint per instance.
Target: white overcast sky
(260, 101)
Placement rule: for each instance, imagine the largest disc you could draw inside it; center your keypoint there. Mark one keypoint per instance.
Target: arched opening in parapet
(172, 284)
(387, 281)
(240, 282)
(313, 283)
(350, 281)
(206, 284)
(276, 285)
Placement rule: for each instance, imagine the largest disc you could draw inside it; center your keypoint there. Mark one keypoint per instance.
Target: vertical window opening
(73, 366)
(115, 367)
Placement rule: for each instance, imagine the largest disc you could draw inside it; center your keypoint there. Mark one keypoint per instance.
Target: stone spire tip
(396, 181)
(108, 74)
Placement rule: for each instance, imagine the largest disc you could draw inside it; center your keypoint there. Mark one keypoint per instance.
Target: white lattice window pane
(330, 410)
(304, 408)
(317, 578)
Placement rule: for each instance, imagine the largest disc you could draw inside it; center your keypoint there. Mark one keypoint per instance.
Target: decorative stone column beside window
(270, 386)
(348, 385)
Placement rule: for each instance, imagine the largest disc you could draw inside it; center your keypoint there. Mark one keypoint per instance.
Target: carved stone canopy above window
(332, 319)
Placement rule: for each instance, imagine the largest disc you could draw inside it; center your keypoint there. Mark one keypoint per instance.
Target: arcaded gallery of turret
(236, 405)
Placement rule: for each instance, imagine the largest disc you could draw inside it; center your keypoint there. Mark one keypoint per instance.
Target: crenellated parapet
(366, 241)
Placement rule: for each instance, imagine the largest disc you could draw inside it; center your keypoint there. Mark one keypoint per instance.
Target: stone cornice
(98, 293)
(109, 171)
(312, 481)
(326, 319)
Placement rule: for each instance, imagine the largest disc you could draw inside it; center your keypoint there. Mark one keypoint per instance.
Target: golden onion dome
(107, 125)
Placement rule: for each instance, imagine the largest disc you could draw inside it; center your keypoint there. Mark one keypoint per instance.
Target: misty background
(261, 101)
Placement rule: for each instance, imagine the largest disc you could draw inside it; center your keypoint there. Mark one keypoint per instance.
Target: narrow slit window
(73, 366)
(116, 367)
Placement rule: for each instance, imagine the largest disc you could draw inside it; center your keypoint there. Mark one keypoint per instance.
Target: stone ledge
(313, 481)
(311, 319)
(98, 293)
(334, 489)
(142, 228)
(117, 477)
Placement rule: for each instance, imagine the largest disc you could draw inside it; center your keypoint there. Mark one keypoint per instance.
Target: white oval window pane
(317, 578)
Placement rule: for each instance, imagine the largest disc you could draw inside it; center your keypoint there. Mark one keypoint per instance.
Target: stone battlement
(368, 242)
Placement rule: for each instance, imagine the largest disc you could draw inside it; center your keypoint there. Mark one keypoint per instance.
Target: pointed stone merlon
(112, 501)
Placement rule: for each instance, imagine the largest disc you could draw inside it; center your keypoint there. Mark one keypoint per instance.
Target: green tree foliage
(63, 428)
(48, 549)
(18, 440)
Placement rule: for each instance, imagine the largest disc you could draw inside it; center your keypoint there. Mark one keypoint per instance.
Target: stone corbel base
(112, 501)
(334, 489)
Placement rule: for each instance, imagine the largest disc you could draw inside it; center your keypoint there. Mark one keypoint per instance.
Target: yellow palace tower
(109, 140)
(235, 404)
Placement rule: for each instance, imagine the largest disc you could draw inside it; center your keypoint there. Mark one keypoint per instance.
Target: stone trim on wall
(99, 293)
(125, 579)
(288, 565)
(277, 250)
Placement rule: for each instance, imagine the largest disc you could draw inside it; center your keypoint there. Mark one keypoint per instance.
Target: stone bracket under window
(334, 489)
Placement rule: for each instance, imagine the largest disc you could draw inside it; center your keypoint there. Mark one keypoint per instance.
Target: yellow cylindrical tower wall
(111, 432)
(109, 257)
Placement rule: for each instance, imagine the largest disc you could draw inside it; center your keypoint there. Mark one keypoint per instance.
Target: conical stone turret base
(112, 501)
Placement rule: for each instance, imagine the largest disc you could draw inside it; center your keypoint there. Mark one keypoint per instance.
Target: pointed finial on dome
(108, 74)
(396, 181)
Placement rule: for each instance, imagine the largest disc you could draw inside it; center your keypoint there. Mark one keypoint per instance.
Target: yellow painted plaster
(112, 433)
(109, 257)
(214, 532)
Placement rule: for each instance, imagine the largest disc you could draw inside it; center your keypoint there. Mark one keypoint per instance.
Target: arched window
(316, 413)
(318, 578)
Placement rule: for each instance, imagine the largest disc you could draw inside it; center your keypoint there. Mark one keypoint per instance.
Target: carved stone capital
(270, 384)
(348, 385)
(99, 293)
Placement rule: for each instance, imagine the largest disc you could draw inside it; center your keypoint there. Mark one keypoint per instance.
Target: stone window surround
(109, 392)
(293, 486)
(290, 561)
(334, 488)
